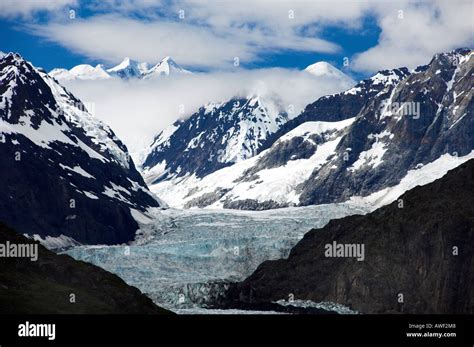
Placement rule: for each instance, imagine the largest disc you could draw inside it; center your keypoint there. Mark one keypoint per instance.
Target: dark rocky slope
(44, 286)
(408, 251)
(63, 171)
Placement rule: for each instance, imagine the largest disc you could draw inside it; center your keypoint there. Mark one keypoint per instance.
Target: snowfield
(278, 183)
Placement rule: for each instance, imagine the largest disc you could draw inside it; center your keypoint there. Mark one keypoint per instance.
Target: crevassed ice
(185, 258)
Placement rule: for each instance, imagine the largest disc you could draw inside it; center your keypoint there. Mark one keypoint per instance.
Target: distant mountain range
(127, 69)
(66, 178)
(388, 133)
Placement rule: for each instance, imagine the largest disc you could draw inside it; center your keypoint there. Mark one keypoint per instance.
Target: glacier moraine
(183, 259)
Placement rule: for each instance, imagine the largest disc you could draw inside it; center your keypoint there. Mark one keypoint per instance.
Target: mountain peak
(13, 64)
(13, 56)
(126, 62)
(86, 71)
(321, 63)
(166, 67)
(168, 60)
(324, 69)
(453, 58)
(456, 52)
(129, 68)
(254, 100)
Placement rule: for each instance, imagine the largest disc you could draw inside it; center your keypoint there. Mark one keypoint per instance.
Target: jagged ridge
(62, 168)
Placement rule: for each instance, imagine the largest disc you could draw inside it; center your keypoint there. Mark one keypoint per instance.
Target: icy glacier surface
(182, 259)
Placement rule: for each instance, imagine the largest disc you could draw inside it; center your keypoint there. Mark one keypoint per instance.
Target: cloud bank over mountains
(138, 109)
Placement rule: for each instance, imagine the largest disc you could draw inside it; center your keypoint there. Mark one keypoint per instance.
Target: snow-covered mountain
(387, 134)
(165, 67)
(127, 69)
(82, 72)
(343, 105)
(61, 167)
(270, 177)
(216, 136)
(425, 117)
(220, 134)
(323, 68)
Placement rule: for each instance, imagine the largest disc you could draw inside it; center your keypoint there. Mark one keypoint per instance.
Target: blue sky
(372, 34)
(18, 37)
(43, 52)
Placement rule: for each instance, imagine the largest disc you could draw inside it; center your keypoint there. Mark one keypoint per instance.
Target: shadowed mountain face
(45, 286)
(418, 256)
(63, 171)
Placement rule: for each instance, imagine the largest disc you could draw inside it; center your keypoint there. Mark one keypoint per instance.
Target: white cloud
(111, 38)
(26, 8)
(411, 37)
(275, 15)
(137, 110)
(211, 34)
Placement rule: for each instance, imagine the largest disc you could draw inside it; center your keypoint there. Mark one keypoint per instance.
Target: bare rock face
(418, 256)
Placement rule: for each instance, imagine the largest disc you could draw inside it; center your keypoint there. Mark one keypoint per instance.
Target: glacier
(184, 259)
